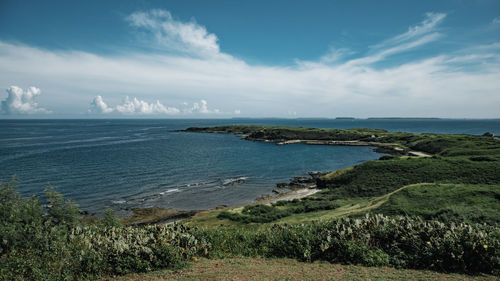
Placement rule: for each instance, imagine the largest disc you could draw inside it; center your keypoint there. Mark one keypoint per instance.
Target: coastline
(296, 190)
(159, 216)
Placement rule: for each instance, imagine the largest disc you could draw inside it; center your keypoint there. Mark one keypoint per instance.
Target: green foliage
(60, 211)
(375, 178)
(110, 219)
(373, 241)
(49, 243)
(447, 202)
(256, 213)
(281, 133)
(38, 246)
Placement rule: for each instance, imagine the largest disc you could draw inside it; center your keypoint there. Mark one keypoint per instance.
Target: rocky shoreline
(297, 188)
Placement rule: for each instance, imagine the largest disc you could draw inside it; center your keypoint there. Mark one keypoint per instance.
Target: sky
(223, 59)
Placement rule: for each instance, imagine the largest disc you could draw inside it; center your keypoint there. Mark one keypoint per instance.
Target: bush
(406, 242)
(49, 243)
(256, 213)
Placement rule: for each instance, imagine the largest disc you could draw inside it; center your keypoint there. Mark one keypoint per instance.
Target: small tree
(61, 211)
(110, 219)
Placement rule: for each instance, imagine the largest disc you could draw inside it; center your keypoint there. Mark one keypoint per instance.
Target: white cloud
(99, 106)
(187, 37)
(21, 101)
(237, 112)
(496, 21)
(416, 36)
(202, 108)
(441, 85)
(425, 27)
(131, 106)
(335, 55)
(136, 106)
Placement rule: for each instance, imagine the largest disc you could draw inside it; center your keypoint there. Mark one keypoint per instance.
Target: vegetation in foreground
(458, 185)
(49, 243)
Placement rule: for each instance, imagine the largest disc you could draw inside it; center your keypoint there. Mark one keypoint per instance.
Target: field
(289, 269)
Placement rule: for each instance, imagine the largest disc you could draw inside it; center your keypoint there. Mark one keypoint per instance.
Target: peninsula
(435, 176)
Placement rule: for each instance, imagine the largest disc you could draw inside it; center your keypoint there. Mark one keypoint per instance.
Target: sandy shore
(288, 196)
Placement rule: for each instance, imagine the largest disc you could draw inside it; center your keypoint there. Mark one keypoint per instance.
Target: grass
(469, 203)
(142, 216)
(463, 202)
(289, 269)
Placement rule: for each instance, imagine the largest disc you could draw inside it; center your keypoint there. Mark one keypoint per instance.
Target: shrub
(49, 243)
(377, 240)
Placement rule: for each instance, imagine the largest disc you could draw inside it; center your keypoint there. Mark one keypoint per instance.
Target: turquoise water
(126, 164)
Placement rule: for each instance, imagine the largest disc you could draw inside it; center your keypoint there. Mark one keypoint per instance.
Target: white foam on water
(170, 191)
(234, 180)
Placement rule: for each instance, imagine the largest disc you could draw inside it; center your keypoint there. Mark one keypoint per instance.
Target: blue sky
(254, 58)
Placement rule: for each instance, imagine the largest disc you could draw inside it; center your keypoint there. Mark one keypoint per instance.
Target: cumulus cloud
(188, 37)
(202, 107)
(21, 101)
(142, 107)
(131, 106)
(99, 106)
(137, 106)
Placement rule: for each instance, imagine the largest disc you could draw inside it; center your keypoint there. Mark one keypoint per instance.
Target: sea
(142, 163)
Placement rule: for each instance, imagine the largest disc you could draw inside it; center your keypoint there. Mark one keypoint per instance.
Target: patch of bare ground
(288, 269)
(288, 196)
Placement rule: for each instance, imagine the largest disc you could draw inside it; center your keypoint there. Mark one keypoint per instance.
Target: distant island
(408, 118)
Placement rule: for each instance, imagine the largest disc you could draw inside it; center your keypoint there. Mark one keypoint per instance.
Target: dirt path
(419, 154)
(294, 194)
(288, 269)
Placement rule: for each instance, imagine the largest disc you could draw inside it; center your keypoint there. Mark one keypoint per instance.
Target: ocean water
(130, 163)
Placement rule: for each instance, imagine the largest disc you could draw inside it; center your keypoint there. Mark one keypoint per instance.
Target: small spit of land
(431, 203)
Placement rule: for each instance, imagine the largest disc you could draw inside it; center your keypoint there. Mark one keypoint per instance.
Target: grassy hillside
(446, 202)
(465, 160)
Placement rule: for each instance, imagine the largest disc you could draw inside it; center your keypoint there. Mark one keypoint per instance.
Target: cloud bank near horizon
(136, 106)
(21, 101)
(459, 83)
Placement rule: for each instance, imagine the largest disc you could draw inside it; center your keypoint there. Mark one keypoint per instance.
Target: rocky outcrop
(300, 182)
